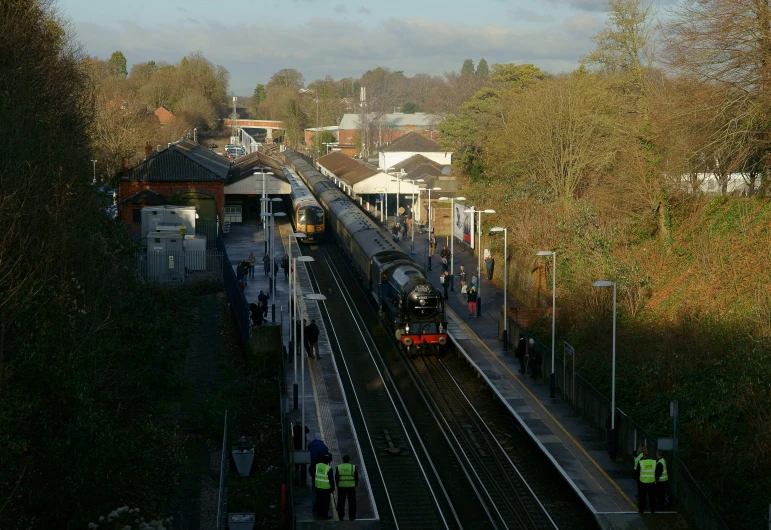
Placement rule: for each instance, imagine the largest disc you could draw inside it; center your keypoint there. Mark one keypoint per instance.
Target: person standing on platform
(240, 275)
(637, 457)
(263, 299)
(444, 256)
(432, 241)
(266, 263)
(285, 266)
(662, 481)
(474, 279)
(520, 352)
(317, 449)
(312, 339)
(347, 478)
(648, 480)
(445, 283)
(252, 262)
(324, 484)
(462, 275)
(472, 300)
(490, 265)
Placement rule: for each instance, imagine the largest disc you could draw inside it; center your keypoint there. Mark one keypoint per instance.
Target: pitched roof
(163, 114)
(414, 162)
(185, 161)
(242, 167)
(347, 169)
(146, 198)
(412, 142)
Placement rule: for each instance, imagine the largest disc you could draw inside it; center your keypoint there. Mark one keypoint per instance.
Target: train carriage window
(319, 217)
(301, 217)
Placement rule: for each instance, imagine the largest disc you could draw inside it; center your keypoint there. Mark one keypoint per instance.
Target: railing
(178, 267)
(239, 308)
(222, 499)
(594, 407)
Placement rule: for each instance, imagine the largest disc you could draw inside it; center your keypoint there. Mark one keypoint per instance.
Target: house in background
(384, 128)
(409, 145)
(164, 115)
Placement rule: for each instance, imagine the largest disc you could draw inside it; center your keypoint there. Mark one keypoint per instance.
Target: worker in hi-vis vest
(662, 480)
(637, 457)
(324, 484)
(648, 481)
(347, 478)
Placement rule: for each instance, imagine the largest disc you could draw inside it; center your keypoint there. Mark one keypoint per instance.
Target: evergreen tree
(468, 67)
(482, 68)
(118, 64)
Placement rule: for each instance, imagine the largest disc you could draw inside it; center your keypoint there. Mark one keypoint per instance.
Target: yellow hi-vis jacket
(345, 473)
(664, 477)
(647, 471)
(322, 477)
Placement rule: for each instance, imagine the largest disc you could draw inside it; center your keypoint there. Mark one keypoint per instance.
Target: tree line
(606, 165)
(194, 90)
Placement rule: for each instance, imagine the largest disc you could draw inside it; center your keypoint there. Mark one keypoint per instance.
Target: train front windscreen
(311, 221)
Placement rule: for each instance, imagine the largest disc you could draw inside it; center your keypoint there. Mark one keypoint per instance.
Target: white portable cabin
(152, 216)
(166, 257)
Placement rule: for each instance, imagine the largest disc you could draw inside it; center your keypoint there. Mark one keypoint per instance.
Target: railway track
(508, 500)
(404, 480)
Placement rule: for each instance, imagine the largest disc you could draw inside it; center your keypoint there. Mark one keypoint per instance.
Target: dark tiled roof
(347, 169)
(145, 198)
(185, 161)
(243, 167)
(414, 162)
(413, 142)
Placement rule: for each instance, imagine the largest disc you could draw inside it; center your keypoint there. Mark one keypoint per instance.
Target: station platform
(606, 487)
(326, 408)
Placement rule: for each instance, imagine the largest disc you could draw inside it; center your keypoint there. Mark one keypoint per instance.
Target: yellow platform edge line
(599, 468)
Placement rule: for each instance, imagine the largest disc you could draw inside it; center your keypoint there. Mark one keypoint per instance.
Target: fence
(178, 267)
(222, 499)
(239, 308)
(594, 407)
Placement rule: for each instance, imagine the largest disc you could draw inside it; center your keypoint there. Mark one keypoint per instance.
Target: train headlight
(443, 340)
(408, 341)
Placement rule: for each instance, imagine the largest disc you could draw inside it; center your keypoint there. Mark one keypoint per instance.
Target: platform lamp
(293, 265)
(273, 261)
(479, 254)
(612, 443)
(318, 298)
(412, 206)
(552, 376)
(505, 284)
(452, 237)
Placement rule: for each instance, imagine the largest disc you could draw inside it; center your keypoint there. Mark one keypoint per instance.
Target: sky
(339, 38)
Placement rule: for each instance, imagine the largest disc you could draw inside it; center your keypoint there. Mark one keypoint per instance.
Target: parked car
(213, 146)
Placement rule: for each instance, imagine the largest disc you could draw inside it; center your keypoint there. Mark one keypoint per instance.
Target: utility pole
(364, 124)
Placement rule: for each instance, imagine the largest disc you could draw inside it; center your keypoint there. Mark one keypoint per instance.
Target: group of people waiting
(325, 479)
(652, 479)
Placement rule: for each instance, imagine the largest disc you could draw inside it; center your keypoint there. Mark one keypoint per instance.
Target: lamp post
(479, 254)
(612, 444)
(452, 237)
(293, 265)
(412, 208)
(273, 255)
(318, 298)
(552, 377)
(94, 163)
(505, 286)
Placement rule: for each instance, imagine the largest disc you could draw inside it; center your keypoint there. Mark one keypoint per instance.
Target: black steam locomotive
(409, 305)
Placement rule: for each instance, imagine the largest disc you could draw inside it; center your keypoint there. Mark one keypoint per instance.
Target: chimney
(148, 150)
(124, 165)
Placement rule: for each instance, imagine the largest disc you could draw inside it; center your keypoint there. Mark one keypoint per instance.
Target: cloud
(526, 15)
(341, 8)
(414, 45)
(365, 11)
(181, 9)
(584, 5)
